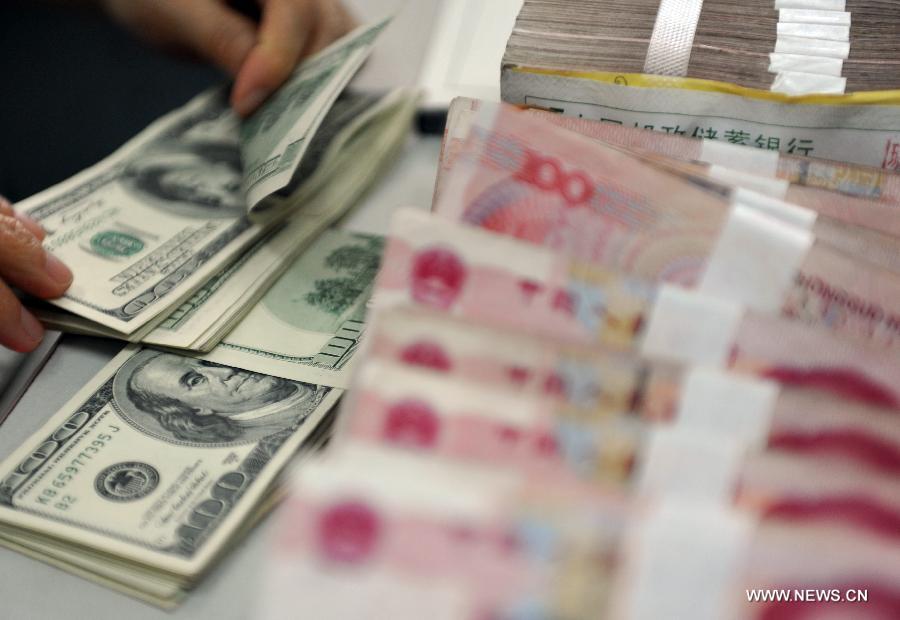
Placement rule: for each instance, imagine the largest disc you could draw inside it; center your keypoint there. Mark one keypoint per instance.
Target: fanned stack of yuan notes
(209, 236)
(601, 380)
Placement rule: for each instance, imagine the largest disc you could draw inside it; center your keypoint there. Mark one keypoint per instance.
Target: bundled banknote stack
(751, 44)
(201, 226)
(805, 77)
(603, 380)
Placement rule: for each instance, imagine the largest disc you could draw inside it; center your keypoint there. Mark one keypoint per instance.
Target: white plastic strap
(669, 50)
(814, 31)
(690, 327)
(684, 561)
(755, 259)
(805, 64)
(792, 214)
(739, 408)
(813, 5)
(795, 83)
(814, 16)
(764, 185)
(738, 157)
(689, 464)
(812, 47)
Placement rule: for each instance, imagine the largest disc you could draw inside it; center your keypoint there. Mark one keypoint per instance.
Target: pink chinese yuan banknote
(523, 177)
(502, 283)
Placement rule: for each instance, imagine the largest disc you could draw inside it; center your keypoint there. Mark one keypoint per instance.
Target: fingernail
(31, 326)
(57, 271)
(252, 100)
(4, 203)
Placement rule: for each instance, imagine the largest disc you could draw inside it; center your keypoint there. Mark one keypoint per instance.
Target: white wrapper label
(731, 405)
(812, 5)
(805, 64)
(792, 214)
(797, 83)
(788, 44)
(690, 464)
(769, 186)
(683, 562)
(737, 157)
(755, 259)
(814, 31)
(814, 16)
(690, 327)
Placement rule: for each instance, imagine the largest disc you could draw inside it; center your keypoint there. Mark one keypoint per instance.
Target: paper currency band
(737, 157)
(767, 185)
(734, 406)
(755, 259)
(812, 42)
(669, 50)
(691, 327)
(816, 5)
(690, 464)
(787, 212)
(682, 561)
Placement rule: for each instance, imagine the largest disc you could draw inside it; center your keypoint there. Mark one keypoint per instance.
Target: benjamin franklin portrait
(199, 179)
(194, 169)
(185, 400)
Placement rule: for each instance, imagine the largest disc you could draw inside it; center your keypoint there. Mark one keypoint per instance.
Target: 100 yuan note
(309, 324)
(499, 281)
(595, 384)
(159, 458)
(524, 177)
(859, 195)
(150, 223)
(275, 138)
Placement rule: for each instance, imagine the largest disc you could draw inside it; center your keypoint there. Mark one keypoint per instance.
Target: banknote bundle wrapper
(603, 379)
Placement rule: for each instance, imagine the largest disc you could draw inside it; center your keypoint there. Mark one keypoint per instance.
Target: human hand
(26, 265)
(260, 56)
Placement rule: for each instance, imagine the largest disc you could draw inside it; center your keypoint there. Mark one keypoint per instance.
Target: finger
(335, 22)
(283, 35)
(25, 264)
(19, 330)
(33, 227)
(220, 34)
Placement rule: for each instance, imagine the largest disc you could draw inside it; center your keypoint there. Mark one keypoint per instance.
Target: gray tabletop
(32, 590)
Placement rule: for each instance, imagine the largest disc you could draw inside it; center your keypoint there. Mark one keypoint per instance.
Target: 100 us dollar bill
(309, 325)
(145, 227)
(275, 139)
(159, 459)
(150, 223)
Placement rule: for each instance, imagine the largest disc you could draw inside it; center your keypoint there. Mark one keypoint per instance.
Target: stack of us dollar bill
(604, 380)
(153, 470)
(199, 227)
(176, 235)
